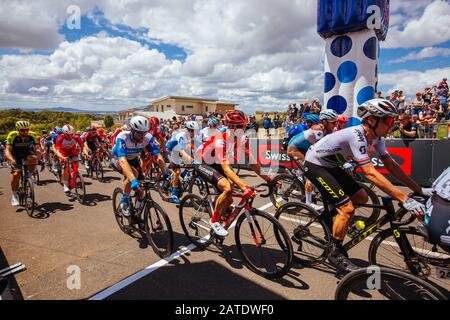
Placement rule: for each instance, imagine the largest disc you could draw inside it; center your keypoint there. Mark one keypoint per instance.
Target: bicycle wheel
(291, 190)
(368, 215)
(80, 188)
(158, 229)
(384, 251)
(29, 197)
(201, 187)
(122, 221)
(375, 283)
(263, 244)
(36, 177)
(309, 233)
(195, 214)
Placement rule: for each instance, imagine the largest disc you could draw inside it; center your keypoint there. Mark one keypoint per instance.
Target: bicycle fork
(258, 242)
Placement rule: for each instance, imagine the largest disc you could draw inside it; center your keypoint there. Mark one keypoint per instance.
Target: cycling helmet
(59, 131)
(314, 118)
(379, 108)
(236, 117)
(343, 119)
(68, 129)
(191, 125)
(22, 124)
(101, 130)
(154, 122)
(88, 129)
(44, 132)
(213, 121)
(139, 123)
(328, 115)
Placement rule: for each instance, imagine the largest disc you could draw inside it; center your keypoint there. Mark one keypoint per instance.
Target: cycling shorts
(134, 163)
(335, 184)
(92, 145)
(70, 153)
(437, 221)
(211, 173)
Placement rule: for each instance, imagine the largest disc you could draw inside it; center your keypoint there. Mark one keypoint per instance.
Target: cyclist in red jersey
(65, 148)
(147, 158)
(217, 154)
(91, 144)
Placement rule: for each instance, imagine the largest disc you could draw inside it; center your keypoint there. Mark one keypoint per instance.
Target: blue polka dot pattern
(341, 46)
(370, 48)
(337, 103)
(365, 94)
(353, 122)
(330, 81)
(347, 72)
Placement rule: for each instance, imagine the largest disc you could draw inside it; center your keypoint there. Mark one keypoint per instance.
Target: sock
(125, 198)
(66, 183)
(215, 217)
(308, 197)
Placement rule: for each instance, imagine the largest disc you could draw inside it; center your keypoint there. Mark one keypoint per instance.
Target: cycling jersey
(54, 136)
(223, 148)
(68, 147)
(347, 144)
(179, 141)
(21, 148)
(297, 129)
(114, 136)
(205, 134)
(89, 137)
(126, 147)
(306, 139)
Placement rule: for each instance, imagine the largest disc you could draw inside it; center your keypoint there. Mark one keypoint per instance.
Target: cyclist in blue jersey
(126, 152)
(180, 147)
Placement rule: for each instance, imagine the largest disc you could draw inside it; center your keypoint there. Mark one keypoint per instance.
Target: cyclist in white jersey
(322, 168)
(210, 131)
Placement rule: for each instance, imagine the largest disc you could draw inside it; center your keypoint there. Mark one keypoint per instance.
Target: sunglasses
(24, 130)
(139, 133)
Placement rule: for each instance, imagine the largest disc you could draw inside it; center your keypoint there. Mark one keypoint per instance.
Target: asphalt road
(64, 235)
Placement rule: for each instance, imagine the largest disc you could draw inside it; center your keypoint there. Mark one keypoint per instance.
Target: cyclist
(56, 132)
(116, 133)
(91, 144)
(66, 147)
(126, 152)
(155, 131)
(217, 154)
(437, 218)
(2, 152)
(322, 168)
(207, 132)
(179, 147)
(299, 144)
(21, 148)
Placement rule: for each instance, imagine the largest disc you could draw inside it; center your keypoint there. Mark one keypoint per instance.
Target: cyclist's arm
(9, 155)
(392, 166)
(381, 182)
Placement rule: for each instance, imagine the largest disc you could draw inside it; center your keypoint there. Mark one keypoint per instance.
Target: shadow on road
(110, 179)
(203, 280)
(44, 210)
(92, 199)
(46, 182)
(14, 288)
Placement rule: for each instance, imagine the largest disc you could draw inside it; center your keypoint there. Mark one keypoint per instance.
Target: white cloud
(428, 52)
(430, 29)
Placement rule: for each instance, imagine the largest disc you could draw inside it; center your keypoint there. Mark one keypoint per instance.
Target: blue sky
(260, 54)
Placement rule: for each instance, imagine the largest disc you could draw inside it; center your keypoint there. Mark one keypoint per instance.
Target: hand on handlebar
(248, 193)
(427, 192)
(135, 184)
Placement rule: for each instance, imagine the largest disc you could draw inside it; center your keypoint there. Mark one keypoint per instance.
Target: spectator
(267, 123)
(253, 126)
(276, 122)
(407, 128)
(379, 95)
(417, 104)
(401, 102)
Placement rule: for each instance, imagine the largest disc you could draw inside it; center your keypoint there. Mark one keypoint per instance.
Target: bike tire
(121, 220)
(292, 190)
(29, 197)
(195, 213)
(412, 288)
(384, 251)
(154, 219)
(368, 215)
(280, 261)
(80, 188)
(311, 238)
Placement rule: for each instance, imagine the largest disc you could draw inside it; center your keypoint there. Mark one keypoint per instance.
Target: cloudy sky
(262, 54)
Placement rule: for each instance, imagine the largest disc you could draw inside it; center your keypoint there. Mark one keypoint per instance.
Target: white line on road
(135, 277)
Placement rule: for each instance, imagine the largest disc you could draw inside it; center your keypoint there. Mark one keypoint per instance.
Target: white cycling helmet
(139, 123)
(379, 108)
(328, 115)
(68, 129)
(191, 125)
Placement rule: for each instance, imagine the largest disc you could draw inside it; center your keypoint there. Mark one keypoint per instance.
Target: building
(125, 115)
(189, 105)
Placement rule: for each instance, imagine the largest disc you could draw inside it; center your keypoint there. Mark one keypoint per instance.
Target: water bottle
(356, 227)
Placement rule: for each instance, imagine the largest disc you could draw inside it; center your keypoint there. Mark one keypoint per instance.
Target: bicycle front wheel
(158, 229)
(379, 283)
(29, 197)
(309, 233)
(80, 188)
(263, 244)
(427, 261)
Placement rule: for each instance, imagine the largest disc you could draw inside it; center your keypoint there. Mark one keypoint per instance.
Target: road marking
(135, 277)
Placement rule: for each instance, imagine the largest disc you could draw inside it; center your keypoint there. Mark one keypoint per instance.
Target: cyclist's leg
(15, 178)
(31, 161)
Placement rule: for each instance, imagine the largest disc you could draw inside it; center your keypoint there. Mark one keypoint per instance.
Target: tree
(108, 121)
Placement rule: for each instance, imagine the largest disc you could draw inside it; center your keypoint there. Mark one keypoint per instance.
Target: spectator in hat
(407, 127)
